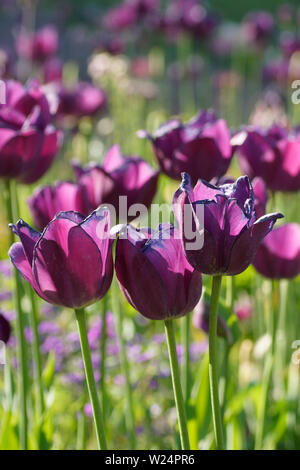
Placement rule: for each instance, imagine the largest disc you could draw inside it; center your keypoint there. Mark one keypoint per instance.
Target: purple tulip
(274, 155)
(53, 70)
(201, 147)
(278, 256)
(70, 263)
(28, 141)
(47, 201)
(128, 14)
(38, 46)
(5, 329)
(119, 176)
(154, 274)
(289, 43)
(231, 232)
(83, 100)
(201, 321)
(260, 196)
(258, 26)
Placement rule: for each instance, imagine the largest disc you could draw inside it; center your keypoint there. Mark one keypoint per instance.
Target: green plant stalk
(103, 354)
(89, 374)
(20, 327)
(230, 297)
(129, 413)
(268, 368)
(186, 358)
(213, 366)
(175, 373)
(40, 408)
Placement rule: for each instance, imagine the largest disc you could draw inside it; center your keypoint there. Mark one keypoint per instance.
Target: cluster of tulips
(69, 261)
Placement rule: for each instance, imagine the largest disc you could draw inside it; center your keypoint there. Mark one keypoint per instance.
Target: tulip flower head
(48, 201)
(273, 155)
(70, 263)
(200, 147)
(278, 256)
(119, 176)
(231, 232)
(154, 275)
(28, 141)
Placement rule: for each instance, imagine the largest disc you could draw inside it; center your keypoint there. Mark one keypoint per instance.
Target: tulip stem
(89, 374)
(124, 364)
(186, 358)
(213, 366)
(268, 368)
(103, 354)
(175, 373)
(37, 354)
(20, 327)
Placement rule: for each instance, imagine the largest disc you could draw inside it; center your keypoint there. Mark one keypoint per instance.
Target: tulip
(119, 176)
(157, 280)
(83, 100)
(274, 155)
(258, 26)
(5, 329)
(231, 236)
(231, 232)
(70, 263)
(38, 46)
(28, 141)
(260, 196)
(201, 147)
(201, 321)
(278, 256)
(48, 201)
(154, 274)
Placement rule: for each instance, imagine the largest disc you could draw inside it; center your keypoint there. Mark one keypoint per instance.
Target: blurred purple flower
(200, 147)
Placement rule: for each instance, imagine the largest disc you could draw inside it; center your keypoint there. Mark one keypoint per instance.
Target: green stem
(213, 371)
(20, 327)
(186, 358)
(268, 368)
(89, 374)
(37, 354)
(103, 355)
(124, 364)
(183, 430)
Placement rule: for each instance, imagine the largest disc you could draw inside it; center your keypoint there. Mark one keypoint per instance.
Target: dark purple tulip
(154, 274)
(201, 321)
(70, 263)
(278, 256)
(28, 141)
(289, 43)
(274, 155)
(84, 100)
(38, 46)
(258, 26)
(5, 329)
(128, 14)
(260, 196)
(200, 147)
(47, 201)
(231, 232)
(197, 20)
(119, 176)
(53, 70)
